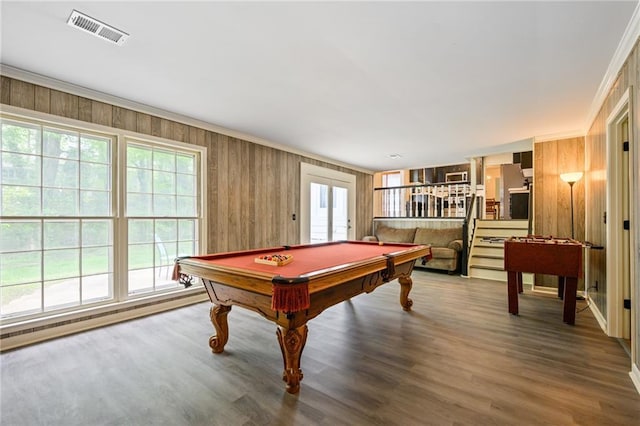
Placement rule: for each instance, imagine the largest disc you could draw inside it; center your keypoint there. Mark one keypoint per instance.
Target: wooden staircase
(486, 257)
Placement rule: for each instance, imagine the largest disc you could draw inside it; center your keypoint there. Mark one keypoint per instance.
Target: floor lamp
(571, 178)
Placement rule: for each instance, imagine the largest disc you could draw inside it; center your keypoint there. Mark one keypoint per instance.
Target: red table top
(307, 258)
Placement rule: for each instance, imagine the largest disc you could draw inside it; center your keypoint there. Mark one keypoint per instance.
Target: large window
(392, 200)
(59, 217)
(161, 211)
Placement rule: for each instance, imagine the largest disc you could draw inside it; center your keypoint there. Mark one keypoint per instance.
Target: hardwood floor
(457, 358)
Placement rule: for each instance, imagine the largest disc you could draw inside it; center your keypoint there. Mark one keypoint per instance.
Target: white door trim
(614, 231)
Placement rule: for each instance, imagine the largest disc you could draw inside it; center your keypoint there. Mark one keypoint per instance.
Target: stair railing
(443, 200)
(471, 213)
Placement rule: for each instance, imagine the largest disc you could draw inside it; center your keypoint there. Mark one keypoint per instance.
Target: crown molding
(626, 45)
(52, 83)
(559, 136)
(506, 148)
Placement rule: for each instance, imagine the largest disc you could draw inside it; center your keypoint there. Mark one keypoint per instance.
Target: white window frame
(122, 204)
(392, 201)
(121, 307)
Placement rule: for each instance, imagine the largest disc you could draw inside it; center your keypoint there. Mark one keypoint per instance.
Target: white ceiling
(434, 82)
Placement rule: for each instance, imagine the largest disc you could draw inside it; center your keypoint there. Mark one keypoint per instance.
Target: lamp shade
(571, 177)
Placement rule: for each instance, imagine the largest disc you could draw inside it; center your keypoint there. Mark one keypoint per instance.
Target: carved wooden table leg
(218, 315)
(405, 287)
(292, 341)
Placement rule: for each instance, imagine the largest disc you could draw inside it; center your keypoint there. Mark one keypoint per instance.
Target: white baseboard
(598, 315)
(39, 334)
(635, 376)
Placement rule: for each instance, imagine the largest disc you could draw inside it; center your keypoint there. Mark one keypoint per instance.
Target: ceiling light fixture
(94, 27)
(395, 156)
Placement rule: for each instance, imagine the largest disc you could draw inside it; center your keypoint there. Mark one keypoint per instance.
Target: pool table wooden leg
(218, 315)
(292, 341)
(405, 287)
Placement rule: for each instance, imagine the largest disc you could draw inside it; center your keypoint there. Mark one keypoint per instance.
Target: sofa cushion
(443, 253)
(395, 235)
(448, 265)
(437, 237)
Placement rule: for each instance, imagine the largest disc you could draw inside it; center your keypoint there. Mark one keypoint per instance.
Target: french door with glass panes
(328, 205)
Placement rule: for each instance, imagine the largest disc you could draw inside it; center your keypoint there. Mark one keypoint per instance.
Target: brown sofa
(446, 244)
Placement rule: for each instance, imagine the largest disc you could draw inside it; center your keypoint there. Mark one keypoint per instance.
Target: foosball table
(544, 255)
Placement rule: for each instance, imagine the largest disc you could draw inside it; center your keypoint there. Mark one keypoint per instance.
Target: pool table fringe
(288, 297)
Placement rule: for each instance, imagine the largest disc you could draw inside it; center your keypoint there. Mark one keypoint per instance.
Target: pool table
(317, 277)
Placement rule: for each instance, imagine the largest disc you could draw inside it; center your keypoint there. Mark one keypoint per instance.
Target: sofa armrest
(455, 245)
(370, 238)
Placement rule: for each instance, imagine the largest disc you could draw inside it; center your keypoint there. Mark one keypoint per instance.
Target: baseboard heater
(25, 335)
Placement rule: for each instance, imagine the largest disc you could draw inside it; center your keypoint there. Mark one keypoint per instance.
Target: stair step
(479, 262)
(487, 274)
(487, 253)
(527, 279)
(497, 224)
(497, 275)
(486, 258)
(491, 241)
(499, 232)
(490, 245)
(499, 255)
(488, 268)
(488, 249)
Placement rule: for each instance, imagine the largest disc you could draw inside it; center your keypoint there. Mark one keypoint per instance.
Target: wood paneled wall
(552, 196)
(253, 190)
(595, 156)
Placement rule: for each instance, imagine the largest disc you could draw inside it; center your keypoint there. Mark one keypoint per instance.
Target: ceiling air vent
(97, 28)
